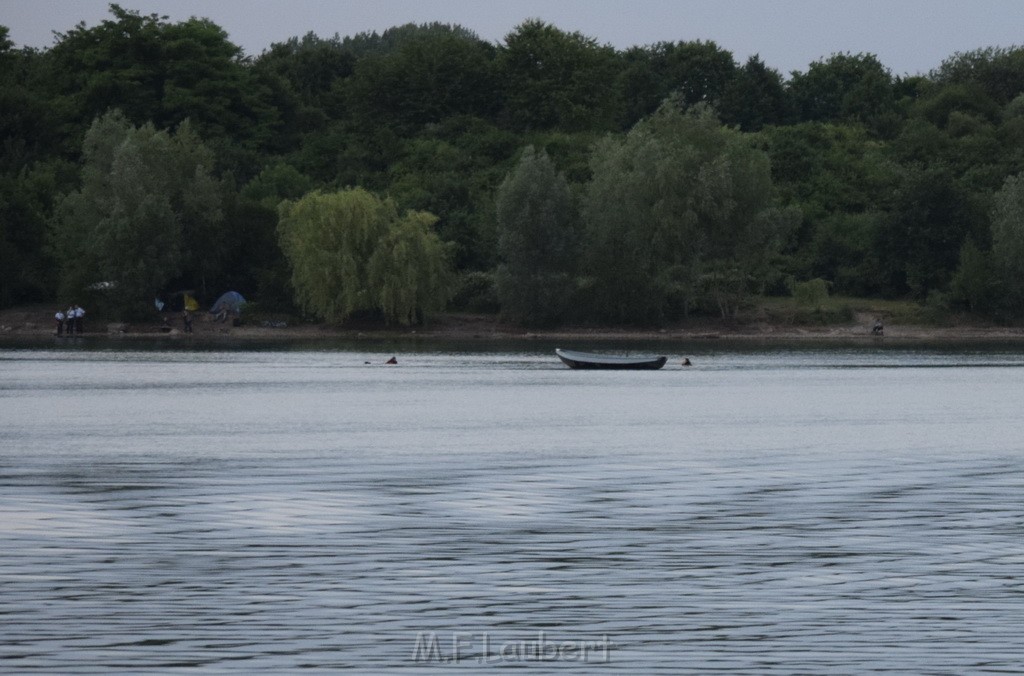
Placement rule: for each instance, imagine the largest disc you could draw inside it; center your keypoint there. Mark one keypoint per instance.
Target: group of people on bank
(72, 320)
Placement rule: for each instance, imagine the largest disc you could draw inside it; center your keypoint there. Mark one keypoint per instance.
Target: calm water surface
(810, 511)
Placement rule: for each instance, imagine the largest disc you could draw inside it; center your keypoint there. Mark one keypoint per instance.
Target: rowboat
(586, 360)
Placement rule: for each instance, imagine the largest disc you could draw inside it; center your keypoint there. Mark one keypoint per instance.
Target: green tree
(681, 205)
(754, 97)
(409, 271)
(148, 212)
(536, 243)
(846, 88)
(352, 252)
(827, 168)
(999, 71)
(694, 72)
(839, 178)
(640, 243)
(161, 72)
(972, 285)
(32, 173)
(1008, 243)
(275, 183)
(811, 294)
(1010, 137)
(27, 272)
(956, 126)
(928, 218)
(372, 43)
(30, 117)
(453, 180)
(842, 252)
(425, 80)
(556, 79)
(939, 104)
(314, 69)
(253, 258)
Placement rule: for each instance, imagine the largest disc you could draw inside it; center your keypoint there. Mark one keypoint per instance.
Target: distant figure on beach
(69, 320)
(877, 329)
(60, 322)
(186, 319)
(391, 361)
(79, 319)
(686, 362)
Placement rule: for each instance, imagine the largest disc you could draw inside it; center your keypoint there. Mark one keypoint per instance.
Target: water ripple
(768, 525)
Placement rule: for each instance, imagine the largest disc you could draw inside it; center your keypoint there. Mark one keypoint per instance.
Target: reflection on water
(805, 511)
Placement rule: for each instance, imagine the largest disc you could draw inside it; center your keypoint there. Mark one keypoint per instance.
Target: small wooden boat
(586, 360)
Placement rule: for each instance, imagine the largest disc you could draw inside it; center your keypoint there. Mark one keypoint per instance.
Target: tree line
(548, 177)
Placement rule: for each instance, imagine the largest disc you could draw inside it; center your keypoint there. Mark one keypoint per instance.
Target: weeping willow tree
(351, 251)
(409, 271)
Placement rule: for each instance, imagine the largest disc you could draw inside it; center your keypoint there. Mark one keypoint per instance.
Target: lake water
(769, 510)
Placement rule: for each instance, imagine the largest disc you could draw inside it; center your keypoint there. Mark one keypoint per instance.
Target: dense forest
(549, 178)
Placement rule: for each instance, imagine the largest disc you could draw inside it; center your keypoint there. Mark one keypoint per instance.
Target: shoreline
(30, 325)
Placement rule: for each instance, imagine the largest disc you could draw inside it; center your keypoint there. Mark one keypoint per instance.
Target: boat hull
(588, 361)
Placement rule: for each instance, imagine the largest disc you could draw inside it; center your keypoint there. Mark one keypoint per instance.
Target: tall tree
(27, 271)
(1008, 243)
(756, 96)
(536, 243)
(313, 67)
(839, 179)
(425, 80)
(919, 245)
(998, 71)
(681, 208)
(973, 284)
(161, 72)
(33, 172)
(556, 79)
(850, 88)
(693, 72)
(148, 212)
(254, 260)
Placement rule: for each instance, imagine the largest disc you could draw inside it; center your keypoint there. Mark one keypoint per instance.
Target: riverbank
(36, 322)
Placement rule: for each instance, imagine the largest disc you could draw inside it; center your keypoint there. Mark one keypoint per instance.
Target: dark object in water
(586, 360)
(391, 361)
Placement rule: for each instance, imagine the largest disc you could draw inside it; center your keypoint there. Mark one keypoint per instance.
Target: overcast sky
(908, 36)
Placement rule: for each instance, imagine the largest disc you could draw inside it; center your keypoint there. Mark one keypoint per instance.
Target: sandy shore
(25, 324)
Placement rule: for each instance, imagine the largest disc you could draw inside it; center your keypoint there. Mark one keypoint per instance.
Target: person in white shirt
(79, 320)
(60, 322)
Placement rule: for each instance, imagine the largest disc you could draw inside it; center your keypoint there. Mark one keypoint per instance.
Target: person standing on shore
(186, 319)
(79, 320)
(60, 322)
(69, 320)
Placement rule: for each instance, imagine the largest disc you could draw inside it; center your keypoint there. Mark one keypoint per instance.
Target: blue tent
(229, 304)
